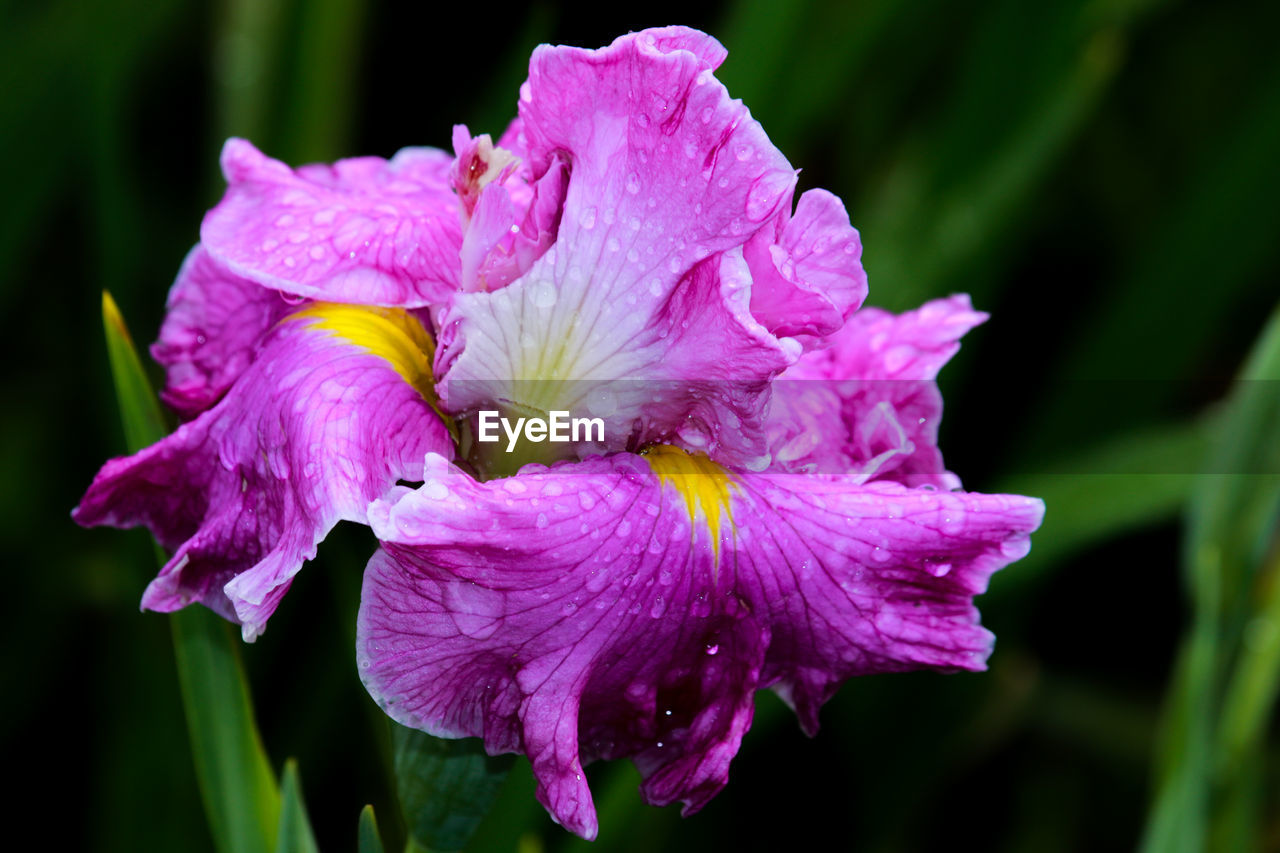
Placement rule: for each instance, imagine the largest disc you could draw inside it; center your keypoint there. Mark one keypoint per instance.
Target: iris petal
(320, 424)
(669, 178)
(212, 328)
(364, 230)
(583, 612)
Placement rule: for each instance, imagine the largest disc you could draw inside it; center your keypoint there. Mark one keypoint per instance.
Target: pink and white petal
(808, 278)
(492, 218)
(591, 611)
(667, 174)
(881, 369)
(363, 231)
(315, 429)
(213, 325)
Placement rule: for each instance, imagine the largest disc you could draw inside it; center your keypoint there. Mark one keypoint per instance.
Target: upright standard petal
(213, 325)
(869, 404)
(364, 230)
(334, 410)
(631, 606)
(646, 281)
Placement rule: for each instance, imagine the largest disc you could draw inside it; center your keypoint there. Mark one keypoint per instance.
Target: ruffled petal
(631, 605)
(212, 327)
(364, 230)
(808, 277)
(668, 177)
(328, 417)
(869, 405)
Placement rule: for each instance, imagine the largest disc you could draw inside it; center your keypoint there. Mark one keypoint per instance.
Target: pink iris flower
(765, 505)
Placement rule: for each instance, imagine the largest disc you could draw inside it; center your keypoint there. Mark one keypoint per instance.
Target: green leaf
(1241, 516)
(446, 787)
(1232, 523)
(139, 410)
(294, 835)
(367, 838)
(240, 793)
(1251, 692)
(239, 789)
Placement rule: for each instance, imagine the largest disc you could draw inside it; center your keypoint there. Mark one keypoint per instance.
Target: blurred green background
(1101, 176)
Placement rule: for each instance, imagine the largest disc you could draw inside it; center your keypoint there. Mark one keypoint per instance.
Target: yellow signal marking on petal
(704, 485)
(393, 334)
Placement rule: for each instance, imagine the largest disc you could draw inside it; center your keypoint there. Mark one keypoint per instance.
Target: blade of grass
(367, 838)
(139, 410)
(1251, 692)
(295, 834)
(240, 794)
(1230, 515)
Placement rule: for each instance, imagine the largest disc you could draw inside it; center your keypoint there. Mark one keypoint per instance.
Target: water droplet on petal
(542, 294)
(602, 402)
(937, 569)
(763, 196)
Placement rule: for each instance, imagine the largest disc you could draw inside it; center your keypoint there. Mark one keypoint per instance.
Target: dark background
(1100, 176)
